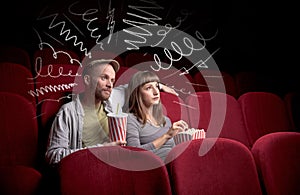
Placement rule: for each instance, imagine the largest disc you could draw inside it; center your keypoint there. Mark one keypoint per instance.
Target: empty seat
(212, 166)
(18, 179)
(19, 130)
(17, 79)
(292, 102)
(263, 113)
(219, 114)
(213, 80)
(113, 170)
(18, 146)
(277, 158)
(14, 54)
(174, 107)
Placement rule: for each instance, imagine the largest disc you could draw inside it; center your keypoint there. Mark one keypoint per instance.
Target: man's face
(102, 81)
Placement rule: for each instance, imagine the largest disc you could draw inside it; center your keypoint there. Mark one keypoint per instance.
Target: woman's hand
(177, 126)
(116, 143)
(167, 89)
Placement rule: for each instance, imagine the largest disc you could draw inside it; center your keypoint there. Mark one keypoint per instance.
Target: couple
(83, 122)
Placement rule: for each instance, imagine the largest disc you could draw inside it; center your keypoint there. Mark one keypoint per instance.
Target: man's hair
(90, 66)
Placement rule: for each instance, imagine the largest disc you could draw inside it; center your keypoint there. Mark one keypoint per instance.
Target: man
(83, 122)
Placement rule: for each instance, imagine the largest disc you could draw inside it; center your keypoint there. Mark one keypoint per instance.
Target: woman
(147, 126)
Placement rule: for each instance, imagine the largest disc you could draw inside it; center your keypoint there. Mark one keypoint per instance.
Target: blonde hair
(135, 100)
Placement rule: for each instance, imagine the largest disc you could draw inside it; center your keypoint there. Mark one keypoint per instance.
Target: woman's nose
(155, 90)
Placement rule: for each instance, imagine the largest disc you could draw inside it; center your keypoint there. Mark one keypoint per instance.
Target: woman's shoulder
(131, 116)
(168, 120)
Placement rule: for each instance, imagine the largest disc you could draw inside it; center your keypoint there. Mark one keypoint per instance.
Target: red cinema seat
(219, 114)
(15, 54)
(212, 166)
(263, 113)
(278, 158)
(113, 170)
(17, 79)
(18, 146)
(174, 107)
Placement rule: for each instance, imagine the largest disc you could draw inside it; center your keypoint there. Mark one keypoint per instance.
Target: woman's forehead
(150, 83)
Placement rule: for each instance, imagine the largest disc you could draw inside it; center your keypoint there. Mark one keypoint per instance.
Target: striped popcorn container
(199, 134)
(188, 135)
(182, 137)
(117, 124)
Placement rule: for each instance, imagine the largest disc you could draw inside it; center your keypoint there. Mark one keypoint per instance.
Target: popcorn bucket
(117, 124)
(189, 135)
(199, 134)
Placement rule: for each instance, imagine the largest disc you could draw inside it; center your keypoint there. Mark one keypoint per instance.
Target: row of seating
(244, 119)
(56, 83)
(252, 116)
(204, 166)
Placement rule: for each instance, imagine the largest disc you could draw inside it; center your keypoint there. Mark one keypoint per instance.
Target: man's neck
(90, 101)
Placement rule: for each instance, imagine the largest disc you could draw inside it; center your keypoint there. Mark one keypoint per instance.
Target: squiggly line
(55, 100)
(50, 88)
(64, 31)
(111, 22)
(149, 22)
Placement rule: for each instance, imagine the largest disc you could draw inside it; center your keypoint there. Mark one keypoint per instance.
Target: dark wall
(251, 35)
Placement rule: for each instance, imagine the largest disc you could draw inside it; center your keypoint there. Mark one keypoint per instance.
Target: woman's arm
(173, 130)
(167, 89)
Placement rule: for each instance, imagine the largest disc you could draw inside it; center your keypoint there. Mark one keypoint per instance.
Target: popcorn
(188, 135)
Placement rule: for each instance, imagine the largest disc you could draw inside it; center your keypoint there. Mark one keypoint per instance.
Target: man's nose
(109, 84)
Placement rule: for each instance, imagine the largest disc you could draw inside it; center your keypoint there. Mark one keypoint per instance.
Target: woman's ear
(87, 79)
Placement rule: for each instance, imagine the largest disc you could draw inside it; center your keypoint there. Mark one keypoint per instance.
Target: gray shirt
(142, 136)
(65, 136)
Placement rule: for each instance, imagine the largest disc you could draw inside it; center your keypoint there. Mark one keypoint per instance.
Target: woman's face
(150, 94)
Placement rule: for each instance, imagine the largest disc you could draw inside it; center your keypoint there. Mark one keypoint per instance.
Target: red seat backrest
(19, 130)
(263, 113)
(17, 79)
(277, 157)
(113, 170)
(219, 114)
(212, 166)
(174, 107)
